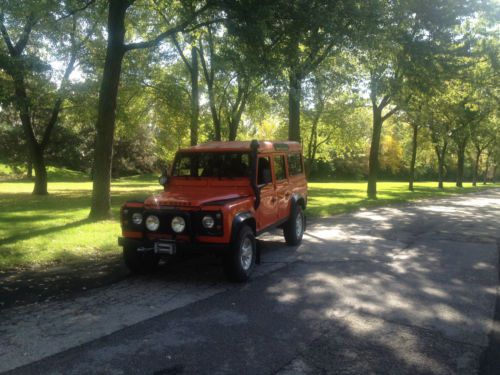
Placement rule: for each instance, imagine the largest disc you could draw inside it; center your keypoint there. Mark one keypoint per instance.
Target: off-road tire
(139, 262)
(240, 260)
(293, 234)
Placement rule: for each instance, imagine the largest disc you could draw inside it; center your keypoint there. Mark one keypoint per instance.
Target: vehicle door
(282, 186)
(267, 212)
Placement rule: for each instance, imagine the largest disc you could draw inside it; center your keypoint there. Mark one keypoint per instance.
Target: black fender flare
(240, 219)
(298, 199)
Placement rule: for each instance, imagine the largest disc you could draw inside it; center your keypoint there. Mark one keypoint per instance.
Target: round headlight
(152, 222)
(178, 224)
(137, 218)
(208, 222)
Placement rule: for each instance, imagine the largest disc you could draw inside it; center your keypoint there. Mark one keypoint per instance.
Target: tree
(482, 138)
(293, 37)
(230, 78)
(192, 68)
(440, 133)
(106, 116)
(418, 115)
(414, 144)
(328, 101)
(20, 60)
(398, 52)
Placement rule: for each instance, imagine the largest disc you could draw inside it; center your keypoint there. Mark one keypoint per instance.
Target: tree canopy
(371, 89)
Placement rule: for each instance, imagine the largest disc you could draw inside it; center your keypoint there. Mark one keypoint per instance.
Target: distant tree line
(371, 89)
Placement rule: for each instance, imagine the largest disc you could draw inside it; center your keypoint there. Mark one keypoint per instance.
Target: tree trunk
(310, 149)
(29, 168)
(486, 167)
(374, 150)
(413, 157)
(236, 112)
(233, 129)
(40, 173)
(460, 164)
(105, 125)
(215, 116)
(476, 166)
(441, 153)
(35, 151)
(195, 97)
(294, 95)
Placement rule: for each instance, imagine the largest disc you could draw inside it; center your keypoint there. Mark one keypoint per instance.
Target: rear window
(212, 164)
(295, 164)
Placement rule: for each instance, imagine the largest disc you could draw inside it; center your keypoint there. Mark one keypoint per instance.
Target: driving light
(152, 222)
(178, 224)
(208, 222)
(137, 218)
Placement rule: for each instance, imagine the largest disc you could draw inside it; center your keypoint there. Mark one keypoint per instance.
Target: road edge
(490, 360)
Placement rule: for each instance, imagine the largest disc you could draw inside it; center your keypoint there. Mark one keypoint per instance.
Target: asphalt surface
(406, 289)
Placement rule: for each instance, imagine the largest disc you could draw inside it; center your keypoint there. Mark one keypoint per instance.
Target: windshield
(212, 164)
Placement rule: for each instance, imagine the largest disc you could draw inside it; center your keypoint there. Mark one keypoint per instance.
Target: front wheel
(294, 227)
(138, 261)
(240, 261)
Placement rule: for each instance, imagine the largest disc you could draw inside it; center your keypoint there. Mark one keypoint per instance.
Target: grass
(331, 198)
(7, 170)
(51, 229)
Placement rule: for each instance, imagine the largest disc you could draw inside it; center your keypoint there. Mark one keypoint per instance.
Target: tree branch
(385, 100)
(183, 57)
(23, 39)
(76, 10)
(6, 37)
(166, 34)
(59, 100)
(314, 60)
(390, 113)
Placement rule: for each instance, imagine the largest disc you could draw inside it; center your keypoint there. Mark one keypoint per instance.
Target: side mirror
(164, 178)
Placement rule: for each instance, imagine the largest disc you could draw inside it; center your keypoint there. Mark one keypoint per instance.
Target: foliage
(435, 63)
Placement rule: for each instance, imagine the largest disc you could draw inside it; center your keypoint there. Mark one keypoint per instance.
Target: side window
(264, 171)
(279, 167)
(295, 164)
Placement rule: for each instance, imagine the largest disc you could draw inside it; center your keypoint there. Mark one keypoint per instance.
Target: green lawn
(53, 229)
(330, 198)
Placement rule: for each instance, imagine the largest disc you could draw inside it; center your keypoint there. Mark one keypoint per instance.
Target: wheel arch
(240, 219)
(300, 200)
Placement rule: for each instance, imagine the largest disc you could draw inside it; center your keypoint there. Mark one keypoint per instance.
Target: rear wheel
(294, 227)
(240, 261)
(139, 261)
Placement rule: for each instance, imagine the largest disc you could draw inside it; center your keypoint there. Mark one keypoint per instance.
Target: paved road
(406, 289)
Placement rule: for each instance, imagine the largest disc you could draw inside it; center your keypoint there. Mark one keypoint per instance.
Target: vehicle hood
(200, 197)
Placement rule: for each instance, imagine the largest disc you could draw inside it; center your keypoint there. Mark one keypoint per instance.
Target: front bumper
(149, 245)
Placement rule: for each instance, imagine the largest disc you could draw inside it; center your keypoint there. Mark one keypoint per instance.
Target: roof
(264, 146)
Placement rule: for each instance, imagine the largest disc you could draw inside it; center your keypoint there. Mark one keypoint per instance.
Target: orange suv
(220, 196)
